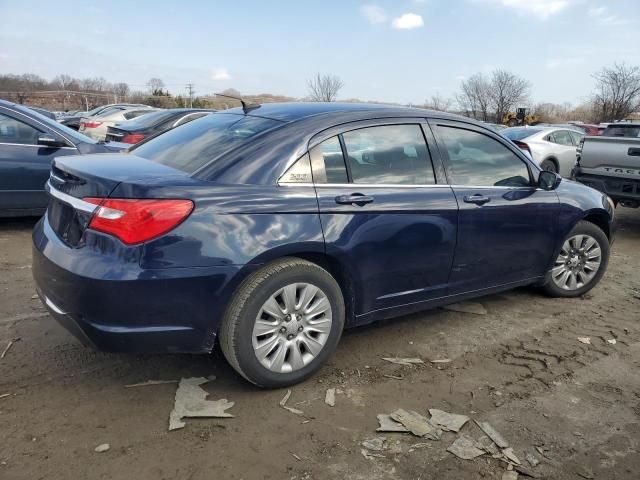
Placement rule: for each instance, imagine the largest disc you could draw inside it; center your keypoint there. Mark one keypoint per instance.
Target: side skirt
(409, 308)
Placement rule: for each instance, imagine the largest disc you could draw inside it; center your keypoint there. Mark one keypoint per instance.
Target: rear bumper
(617, 188)
(114, 305)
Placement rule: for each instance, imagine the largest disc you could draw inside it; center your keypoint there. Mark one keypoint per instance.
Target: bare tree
(438, 103)
(232, 92)
(121, 90)
(507, 90)
(475, 97)
(64, 81)
(155, 85)
(324, 88)
(617, 92)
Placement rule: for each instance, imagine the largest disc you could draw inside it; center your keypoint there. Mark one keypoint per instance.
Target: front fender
(579, 202)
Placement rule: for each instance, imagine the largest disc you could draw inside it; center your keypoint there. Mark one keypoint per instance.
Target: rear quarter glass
(195, 144)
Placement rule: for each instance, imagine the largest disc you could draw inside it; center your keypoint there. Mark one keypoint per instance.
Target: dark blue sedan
(273, 228)
(29, 141)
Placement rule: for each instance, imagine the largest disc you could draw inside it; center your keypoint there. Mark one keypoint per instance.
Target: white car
(96, 127)
(553, 148)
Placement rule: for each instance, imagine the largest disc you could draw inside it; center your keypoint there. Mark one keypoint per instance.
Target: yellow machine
(520, 117)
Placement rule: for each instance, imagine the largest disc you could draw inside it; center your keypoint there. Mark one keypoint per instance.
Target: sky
(401, 51)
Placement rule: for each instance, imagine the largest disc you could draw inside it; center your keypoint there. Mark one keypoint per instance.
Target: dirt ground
(519, 367)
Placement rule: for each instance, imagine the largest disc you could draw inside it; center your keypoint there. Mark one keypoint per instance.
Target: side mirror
(50, 141)
(548, 180)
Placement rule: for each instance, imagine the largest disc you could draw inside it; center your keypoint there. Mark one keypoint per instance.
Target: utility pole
(191, 92)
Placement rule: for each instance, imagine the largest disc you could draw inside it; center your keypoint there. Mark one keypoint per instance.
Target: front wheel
(581, 263)
(549, 166)
(283, 323)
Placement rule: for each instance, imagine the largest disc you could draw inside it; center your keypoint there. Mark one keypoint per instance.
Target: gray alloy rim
(578, 262)
(292, 327)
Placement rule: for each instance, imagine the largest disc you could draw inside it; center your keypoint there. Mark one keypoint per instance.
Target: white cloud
(374, 14)
(597, 11)
(407, 21)
(542, 9)
(220, 74)
(461, 78)
(605, 17)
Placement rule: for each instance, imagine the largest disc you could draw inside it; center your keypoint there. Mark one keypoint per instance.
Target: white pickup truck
(611, 163)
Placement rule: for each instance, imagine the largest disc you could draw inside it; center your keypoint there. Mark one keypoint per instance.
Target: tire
(549, 166)
(243, 347)
(555, 285)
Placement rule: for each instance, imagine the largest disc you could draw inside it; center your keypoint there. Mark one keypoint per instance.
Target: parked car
(28, 144)
(96, 126)
(44, 112)
(552, 148)
(138, 129)
(611, 163)
(587, 128)
(73, 121)
(495, 126)
(271, 228)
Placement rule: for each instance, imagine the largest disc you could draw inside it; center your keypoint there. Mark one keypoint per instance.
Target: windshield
(91, 112)
(195, 144)
(519, 133)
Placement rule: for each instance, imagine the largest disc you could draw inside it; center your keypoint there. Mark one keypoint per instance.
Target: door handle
(357, 198)
(477, 199)
(633, 152)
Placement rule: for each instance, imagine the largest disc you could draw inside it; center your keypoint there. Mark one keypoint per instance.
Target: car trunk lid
(73, 179)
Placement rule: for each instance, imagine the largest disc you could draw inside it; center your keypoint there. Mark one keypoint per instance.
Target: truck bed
(611, 165)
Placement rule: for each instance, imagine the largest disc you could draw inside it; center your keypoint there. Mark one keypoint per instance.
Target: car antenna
(246, 107)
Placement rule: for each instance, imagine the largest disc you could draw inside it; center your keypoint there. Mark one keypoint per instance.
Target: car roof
(289, 112)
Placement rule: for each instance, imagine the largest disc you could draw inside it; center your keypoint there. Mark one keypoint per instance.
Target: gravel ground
(520, 367)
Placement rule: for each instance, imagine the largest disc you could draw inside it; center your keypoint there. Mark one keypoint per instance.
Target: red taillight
(91, 124)
(522, 146)
(138, 220)
(132, 138)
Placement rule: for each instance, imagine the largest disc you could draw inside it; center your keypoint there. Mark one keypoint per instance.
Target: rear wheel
(283, 323)
(549, 166)
(581, 263)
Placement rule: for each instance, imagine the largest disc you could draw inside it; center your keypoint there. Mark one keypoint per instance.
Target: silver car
(553, 148)
(96, 127)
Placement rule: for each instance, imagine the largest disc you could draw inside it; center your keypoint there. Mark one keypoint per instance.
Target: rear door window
(380, 155)
(197, 143)
(563, 137)
(389, 154)
(327, 162)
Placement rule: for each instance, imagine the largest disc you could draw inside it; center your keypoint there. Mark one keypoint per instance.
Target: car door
(507, 226)
(24, 163)
(565, 151)
(383, 213)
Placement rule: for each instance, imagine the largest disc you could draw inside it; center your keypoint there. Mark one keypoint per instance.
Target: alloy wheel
(578, 263)
(292, 327)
